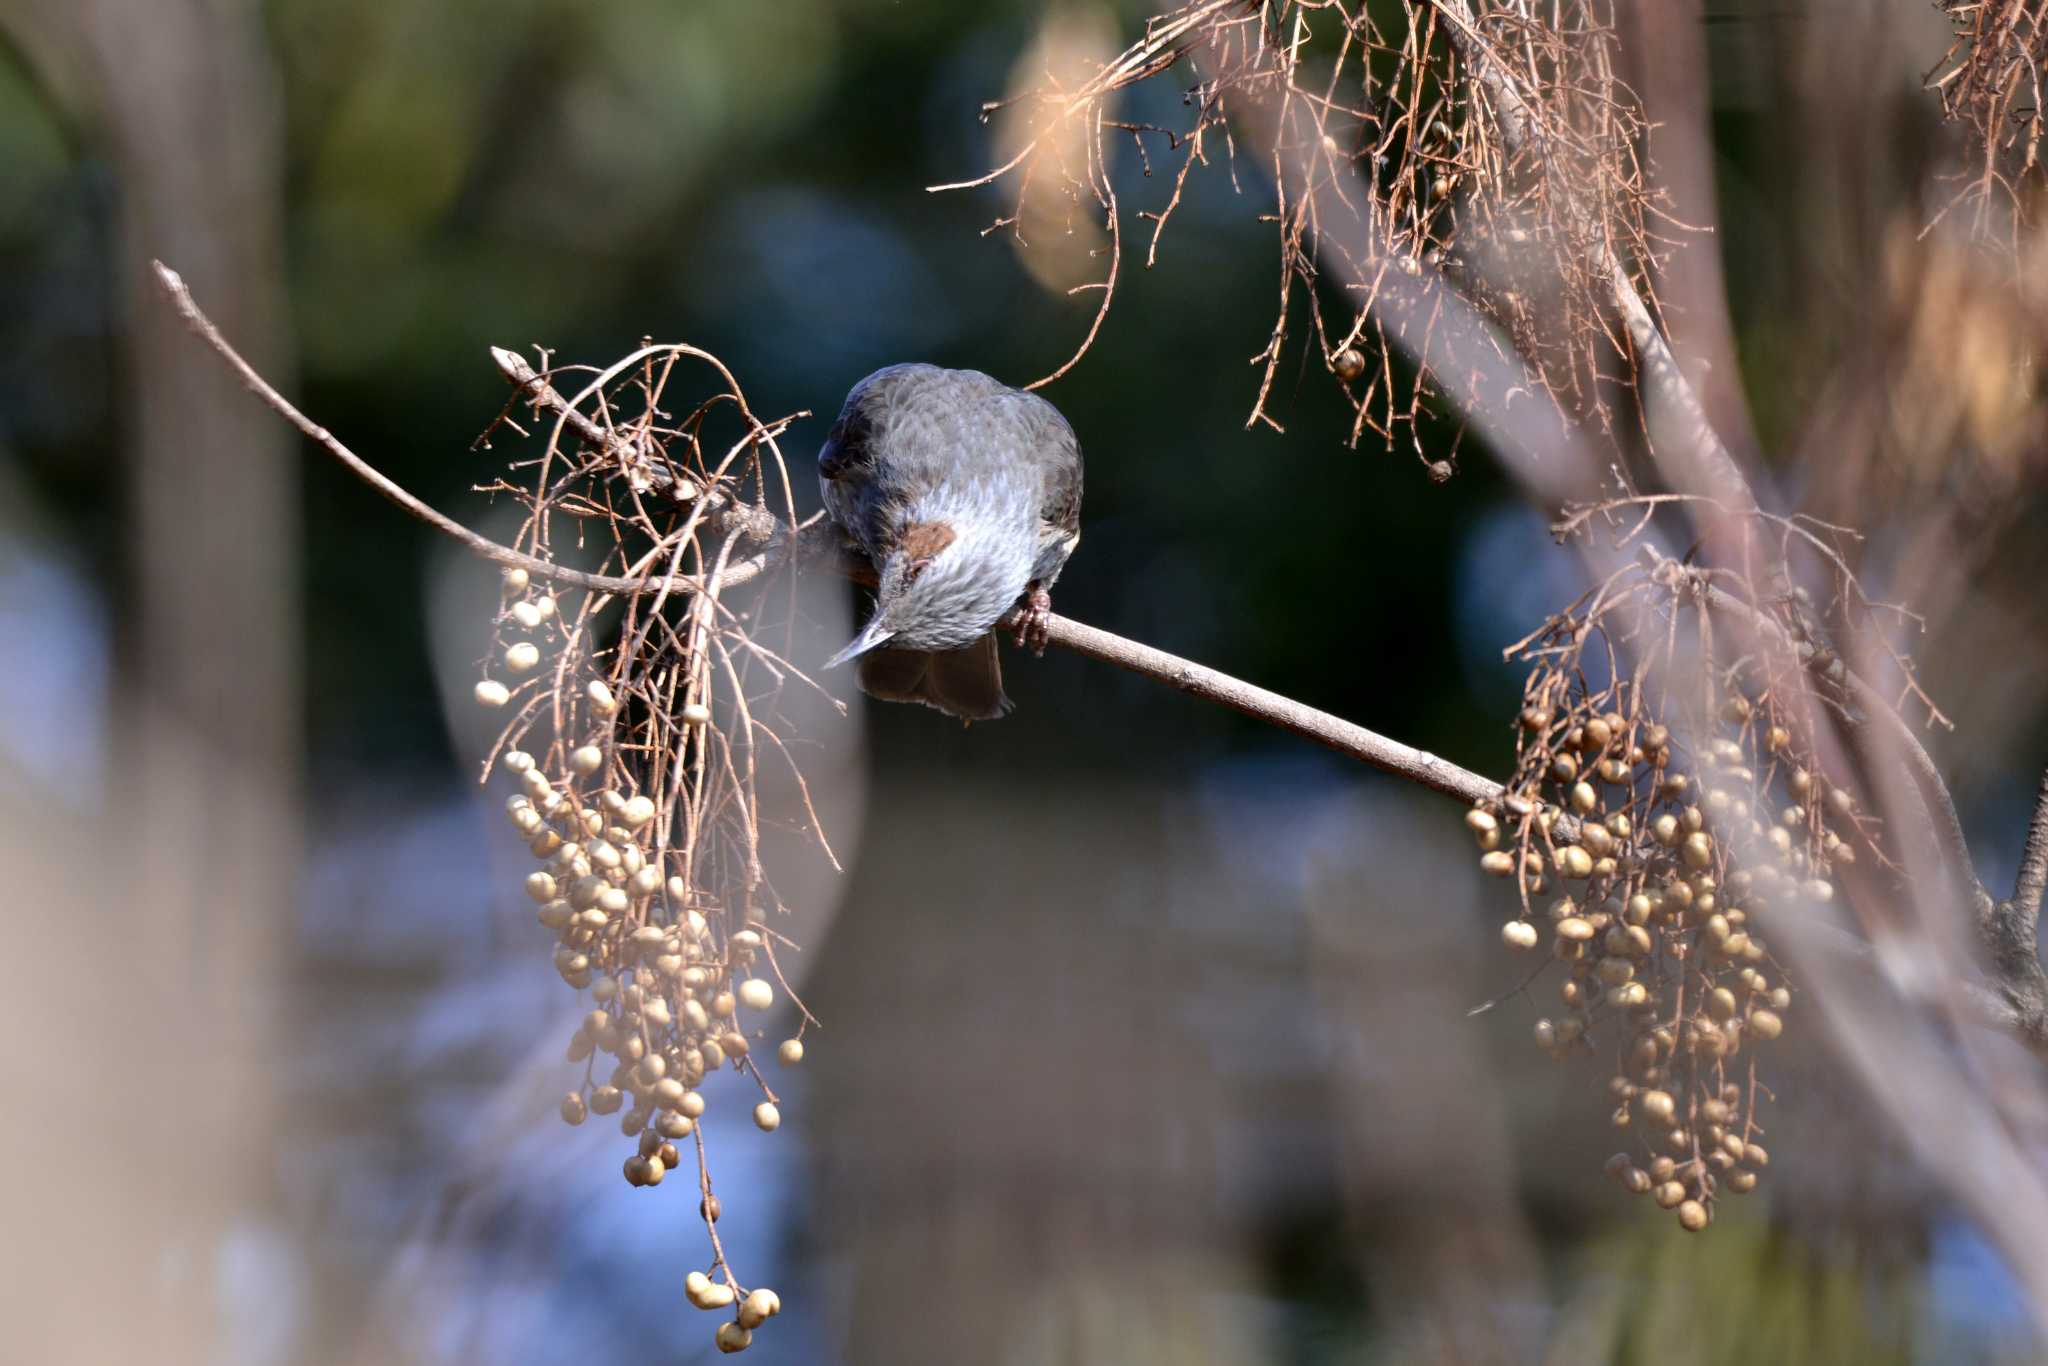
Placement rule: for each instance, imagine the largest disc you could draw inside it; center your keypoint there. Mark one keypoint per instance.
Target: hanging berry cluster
(1660, 812)
(640, 704)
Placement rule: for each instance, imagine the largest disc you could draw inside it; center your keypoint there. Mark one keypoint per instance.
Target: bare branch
(2033, 874)
(817, 540)
(181, 299)
(1389, 756)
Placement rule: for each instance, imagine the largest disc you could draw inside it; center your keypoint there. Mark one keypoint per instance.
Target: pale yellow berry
(1518, 934)
(545, 605)
(1692, 1216)
(767, 1117)
(601, 699)
(636, 812)
(526, 614)
(540, 886)
(791, 1052)
(521, 655)
(1658, 1105)
(573, 1109)
(491, 693)
(1698, 850)
(758, 1307)
(1765, 1024)
(732, 1338)
(586, 759)
(692, 1104)
(696, 714)
(756, 994)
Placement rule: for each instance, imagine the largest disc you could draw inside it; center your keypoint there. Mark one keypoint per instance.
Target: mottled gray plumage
(966, 495)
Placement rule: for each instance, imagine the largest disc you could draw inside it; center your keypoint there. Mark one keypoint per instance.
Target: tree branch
(1677, 420)
(818, 541)
(2033, 874)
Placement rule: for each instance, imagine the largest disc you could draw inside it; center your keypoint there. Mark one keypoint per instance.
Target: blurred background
(1144, 1029)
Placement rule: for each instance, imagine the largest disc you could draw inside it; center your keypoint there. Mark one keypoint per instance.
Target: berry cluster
(636, 699)
(1644, 863)
(675, 982)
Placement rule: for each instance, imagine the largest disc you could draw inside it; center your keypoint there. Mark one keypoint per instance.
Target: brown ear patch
(926, 539)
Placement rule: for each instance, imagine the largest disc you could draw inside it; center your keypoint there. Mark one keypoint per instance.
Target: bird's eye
(916, 567)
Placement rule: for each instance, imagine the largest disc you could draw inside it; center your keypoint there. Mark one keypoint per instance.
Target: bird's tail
(967, 683)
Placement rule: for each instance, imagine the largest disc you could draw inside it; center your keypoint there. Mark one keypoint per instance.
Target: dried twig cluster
(638, 722)
(1670, 797)
(1387, 168)
(1990, 81)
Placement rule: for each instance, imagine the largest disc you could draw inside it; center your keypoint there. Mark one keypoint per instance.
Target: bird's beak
(875, 634)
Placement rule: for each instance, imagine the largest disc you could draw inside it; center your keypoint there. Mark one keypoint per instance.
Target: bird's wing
(1057, 453)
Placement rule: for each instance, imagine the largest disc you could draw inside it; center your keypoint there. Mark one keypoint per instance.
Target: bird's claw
(1034, 621)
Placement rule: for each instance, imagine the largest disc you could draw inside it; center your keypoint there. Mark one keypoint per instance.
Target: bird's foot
(1034, 620)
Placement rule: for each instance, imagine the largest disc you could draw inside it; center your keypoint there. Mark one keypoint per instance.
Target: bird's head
(941, 587)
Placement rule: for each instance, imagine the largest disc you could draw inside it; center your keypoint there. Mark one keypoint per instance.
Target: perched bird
(966, 495)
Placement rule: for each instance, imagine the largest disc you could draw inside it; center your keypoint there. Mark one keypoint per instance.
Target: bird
(965, 494)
